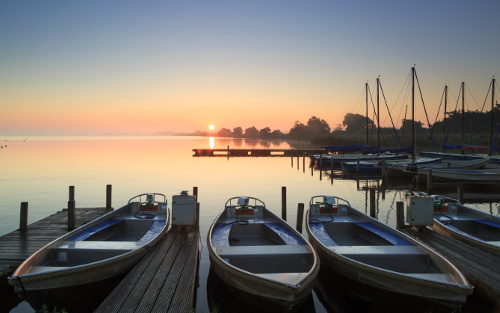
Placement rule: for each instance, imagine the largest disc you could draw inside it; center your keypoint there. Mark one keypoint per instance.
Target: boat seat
(387, 235)
(261, 250)
(99, 245)
(318, 230)
(288, 237)
(488, 222)
(290, 278)
(374, 250)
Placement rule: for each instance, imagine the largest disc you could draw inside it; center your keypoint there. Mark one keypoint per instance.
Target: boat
(337, 159)
(410, 169)
(482, 175)
(478, 229)
(358, 248)
(262, 258)
(376, 166)
(78, 270)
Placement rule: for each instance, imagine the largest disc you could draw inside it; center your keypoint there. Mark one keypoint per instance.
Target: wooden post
(383, 172)
(71, 193)
(429, 180)
(298, 158)
(331, 167)
(71, 215)
(197, 218)
(23, 223)
(300, 217)
(372, 203)
(400, 215)
(108, 197)
(357, 169)
(303, 161)
(291, 156)
(195, 192)
(283, 203)
(460, 194)
(320, 161)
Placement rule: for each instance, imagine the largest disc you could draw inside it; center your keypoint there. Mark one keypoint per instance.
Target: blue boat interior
(483, 230)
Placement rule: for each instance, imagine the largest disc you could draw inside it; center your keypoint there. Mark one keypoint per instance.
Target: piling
(71, 193)
(460, 194)
(283, 203)
(71, 215)
(300, 217)
(303, 162)
(108, 198)
(429, 180)
(357, 169)
(400, 215)
(23, 223)
(372, 203)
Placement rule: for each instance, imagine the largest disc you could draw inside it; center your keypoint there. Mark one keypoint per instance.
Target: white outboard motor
(184, 209)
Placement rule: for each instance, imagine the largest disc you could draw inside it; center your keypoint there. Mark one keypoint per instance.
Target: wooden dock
(256, 152)
(17, 246)
(164, 280)
(479, 267)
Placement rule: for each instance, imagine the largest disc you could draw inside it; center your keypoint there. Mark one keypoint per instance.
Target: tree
(353, 121)
(317, 126)
(251, 132)
(298, 130)
(264, 132)
(224, 132)
(238, 132)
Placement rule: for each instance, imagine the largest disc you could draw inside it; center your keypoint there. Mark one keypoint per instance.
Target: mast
(413, 113)
(463, 115)
(492, 111)
(378, 113)
(444, 114)
(366, 92)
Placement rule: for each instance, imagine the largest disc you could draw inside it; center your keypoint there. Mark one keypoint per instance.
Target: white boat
(359, 248)
(80, 268)
(483, 175)
(262, 257)
(402, 170)
(479, 229)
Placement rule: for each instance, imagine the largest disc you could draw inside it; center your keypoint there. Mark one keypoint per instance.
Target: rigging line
(426, 116)
(479, 116)
(373, 106)
(453, 115)
(388, 111)
(437, 115)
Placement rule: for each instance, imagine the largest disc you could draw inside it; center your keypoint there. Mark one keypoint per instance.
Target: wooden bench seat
(107, 245)
(374, 250)
(261, 250)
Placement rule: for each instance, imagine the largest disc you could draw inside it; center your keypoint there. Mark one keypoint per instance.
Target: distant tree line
(353, 130)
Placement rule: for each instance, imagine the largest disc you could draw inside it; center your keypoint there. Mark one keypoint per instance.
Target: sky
(140, 67)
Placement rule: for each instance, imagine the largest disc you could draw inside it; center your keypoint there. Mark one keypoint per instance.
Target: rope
(437, 115)
(482, 109)
(394, 127)
(426, 116)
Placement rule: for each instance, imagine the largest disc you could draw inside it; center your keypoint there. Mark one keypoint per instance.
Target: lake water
(39, 170)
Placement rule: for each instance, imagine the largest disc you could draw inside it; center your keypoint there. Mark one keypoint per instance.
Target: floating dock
(256, 152)
(17, 246)
(479, 267)
(164, 280)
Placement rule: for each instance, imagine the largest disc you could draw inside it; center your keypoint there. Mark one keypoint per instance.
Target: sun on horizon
(212, 127)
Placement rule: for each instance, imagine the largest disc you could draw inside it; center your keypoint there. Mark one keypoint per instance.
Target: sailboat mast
(378, 113)
(413, 113)
(444, 114)
(492, 111)
(463, 115)
(366, 92)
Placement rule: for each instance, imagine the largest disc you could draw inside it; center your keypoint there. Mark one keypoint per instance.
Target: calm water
(39, 170)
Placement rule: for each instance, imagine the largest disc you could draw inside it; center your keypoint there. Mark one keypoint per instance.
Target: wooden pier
(479, 267)
(17, 246)
(256, 152)
(164, 280)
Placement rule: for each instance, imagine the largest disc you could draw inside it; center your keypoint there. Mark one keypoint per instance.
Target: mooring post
(291, 156)
(195, 192)
(71, 215)
(23, 222)
(283, 203)
(372, 203)
(460, 194)
(71, 193)
(429, 180)
(400, 215)
(383, 172)
(298, 158)
(197, 218)
(300, 217)
(108, 197)
(357, 169)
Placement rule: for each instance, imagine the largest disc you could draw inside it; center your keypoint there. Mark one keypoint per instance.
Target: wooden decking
(17, 246)
(257, 152)
(479, 267)
(164, 281)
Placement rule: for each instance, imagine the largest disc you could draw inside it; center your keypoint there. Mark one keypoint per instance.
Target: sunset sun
(212, 127)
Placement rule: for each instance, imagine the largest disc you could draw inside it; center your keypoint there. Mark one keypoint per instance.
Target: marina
(240, 176)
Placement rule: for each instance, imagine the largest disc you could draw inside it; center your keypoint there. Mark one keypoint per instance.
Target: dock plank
(17, 246)
(164, 279)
